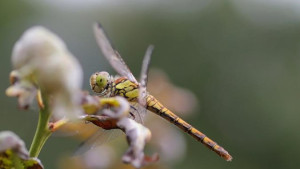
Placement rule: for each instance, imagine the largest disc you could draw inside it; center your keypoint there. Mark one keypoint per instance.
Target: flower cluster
(44, 69)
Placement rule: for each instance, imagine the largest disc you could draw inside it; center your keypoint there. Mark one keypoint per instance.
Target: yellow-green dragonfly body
(135, 92)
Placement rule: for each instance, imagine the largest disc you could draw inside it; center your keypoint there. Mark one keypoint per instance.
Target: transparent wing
(111, 54)
(136, 113)
(143, 83)
(100, 137)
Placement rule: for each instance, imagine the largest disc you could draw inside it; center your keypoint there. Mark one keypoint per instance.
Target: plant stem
(42, 132)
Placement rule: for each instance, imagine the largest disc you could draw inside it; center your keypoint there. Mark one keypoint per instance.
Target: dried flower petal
(14, 153)
(24, 90)
(9, 140)
(137, 136)
(42, 60)
(90, 104)
(119, 108)
(104, 122)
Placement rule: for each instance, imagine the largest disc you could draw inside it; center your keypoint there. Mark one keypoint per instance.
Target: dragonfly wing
(111, 54)
(143, 82)
(100, 137)
(136, 112)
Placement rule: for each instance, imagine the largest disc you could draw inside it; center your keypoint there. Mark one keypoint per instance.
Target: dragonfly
(127, 86)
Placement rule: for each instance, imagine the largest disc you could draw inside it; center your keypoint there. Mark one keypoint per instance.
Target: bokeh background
(240, 58)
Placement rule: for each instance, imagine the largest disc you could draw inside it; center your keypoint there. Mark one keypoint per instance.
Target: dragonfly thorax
(100, 82)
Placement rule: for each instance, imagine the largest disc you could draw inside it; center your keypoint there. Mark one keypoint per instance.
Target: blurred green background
(241, 59)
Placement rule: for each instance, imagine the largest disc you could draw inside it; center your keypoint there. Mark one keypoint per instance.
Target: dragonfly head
(100, 82)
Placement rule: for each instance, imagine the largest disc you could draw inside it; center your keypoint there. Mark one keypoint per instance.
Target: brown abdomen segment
(156, 107)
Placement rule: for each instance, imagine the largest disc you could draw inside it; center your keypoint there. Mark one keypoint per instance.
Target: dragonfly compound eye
(99, 81)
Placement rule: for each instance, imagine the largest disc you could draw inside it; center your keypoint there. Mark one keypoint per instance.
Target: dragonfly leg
(131, 113)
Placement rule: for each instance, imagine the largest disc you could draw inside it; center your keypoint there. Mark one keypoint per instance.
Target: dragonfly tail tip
(228, 157)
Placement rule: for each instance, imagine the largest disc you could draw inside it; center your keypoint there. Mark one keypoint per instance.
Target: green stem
(42, 132)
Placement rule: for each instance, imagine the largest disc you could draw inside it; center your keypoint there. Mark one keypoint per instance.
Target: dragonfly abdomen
(156, 107)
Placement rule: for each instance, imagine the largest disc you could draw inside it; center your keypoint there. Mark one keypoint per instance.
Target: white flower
(9, 140)
(41, 58)
(137, 136)
(14, 152)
